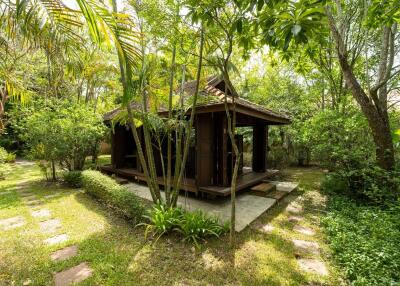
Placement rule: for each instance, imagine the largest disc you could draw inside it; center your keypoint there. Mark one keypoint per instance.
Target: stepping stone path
(267, 228)
(49, 226)
(313, 266)
(295, 219)
(67, 277)
(312, 263)
(306, 247)
(42, 213)
(304, 230)
(73, 275)
(65, 253)
(56, 239)
(294, 208)
(12, 222)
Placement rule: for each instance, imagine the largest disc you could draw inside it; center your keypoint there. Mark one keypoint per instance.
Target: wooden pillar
(259, 148)
(224, 158)
(112, 147)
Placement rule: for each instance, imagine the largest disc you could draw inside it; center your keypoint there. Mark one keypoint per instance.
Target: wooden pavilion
(210, 162)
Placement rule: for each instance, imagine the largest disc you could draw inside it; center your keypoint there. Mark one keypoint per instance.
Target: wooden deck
(246, 180)
(129, 173)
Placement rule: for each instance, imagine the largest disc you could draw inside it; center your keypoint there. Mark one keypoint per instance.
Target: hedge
(73, 179)
(111, 193)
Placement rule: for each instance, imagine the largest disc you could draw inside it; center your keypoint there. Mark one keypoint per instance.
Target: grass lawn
(119, 255)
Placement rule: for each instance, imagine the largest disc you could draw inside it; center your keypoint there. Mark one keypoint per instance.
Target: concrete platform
(248, 207)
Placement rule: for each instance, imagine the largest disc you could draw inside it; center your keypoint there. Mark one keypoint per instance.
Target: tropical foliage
(332, 66)
(62, 133)
(195, 227)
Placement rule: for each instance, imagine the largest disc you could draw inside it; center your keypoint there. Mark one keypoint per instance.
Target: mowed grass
(119, 255)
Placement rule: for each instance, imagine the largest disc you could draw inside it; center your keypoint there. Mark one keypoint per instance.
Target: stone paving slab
(65, 253)
(308, 247)
(294, 208)
(49, 226)
(264, 228)
(73, 275)
(248, 207)
(51, 196)
(41, 213)
(31, 197)
(5, 193)
(304, 230)
(285, 186)
(294, 218)
(25, 194)
(34, 202)
(12, 222)
(313, 266)
(56, 239)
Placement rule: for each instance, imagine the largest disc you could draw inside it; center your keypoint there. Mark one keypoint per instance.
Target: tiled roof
(210, 96)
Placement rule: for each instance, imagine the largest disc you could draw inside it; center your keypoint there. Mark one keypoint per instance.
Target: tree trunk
(3, 100)
(174, 197)
(125, 72)
(169, 136)
(375, 114)
(53, 170)
(231, 133)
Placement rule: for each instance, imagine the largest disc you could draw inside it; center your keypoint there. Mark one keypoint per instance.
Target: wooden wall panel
(204, 150)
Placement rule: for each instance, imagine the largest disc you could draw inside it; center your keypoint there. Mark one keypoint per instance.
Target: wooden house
(210, 162)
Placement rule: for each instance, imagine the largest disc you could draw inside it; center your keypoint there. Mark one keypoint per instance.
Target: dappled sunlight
(267, 263)
(118, 253)
(211, 262)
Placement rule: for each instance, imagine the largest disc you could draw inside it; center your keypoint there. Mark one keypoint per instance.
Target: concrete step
(121, 181)
(263, 189)
(273, 189)
(283, 186)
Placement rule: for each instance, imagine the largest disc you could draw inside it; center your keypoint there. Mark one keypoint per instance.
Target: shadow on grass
(121, 254)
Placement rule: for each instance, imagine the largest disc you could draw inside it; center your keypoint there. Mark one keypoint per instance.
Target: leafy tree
(286, 24)
(62, 133)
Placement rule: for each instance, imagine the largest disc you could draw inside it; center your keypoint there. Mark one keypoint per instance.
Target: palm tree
(48, 24)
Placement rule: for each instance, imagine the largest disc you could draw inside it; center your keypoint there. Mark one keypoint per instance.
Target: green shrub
(364, 241)
(338, 139)
(73, 179)
(370, 184)
(194, 227)
(114, 195)
(63, 132)
(6, 157)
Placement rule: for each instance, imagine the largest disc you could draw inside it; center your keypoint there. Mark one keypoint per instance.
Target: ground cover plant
(364, 241)
(118, 253)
